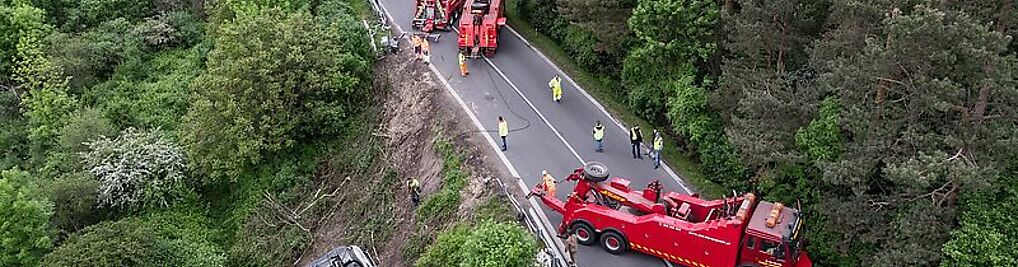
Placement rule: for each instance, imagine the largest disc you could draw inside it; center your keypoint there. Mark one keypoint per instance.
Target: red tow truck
(682, 229)
(431, 15)
(479, 27)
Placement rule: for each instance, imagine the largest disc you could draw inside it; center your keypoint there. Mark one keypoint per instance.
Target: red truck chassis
(683, 229)
(479, 27)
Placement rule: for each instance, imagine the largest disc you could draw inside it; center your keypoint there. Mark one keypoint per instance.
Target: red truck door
(763, 252)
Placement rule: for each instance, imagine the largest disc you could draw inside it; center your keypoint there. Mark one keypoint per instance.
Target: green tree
(17, 19)
(273, 78)
(675, 36)
(921, 120)
(25, 234)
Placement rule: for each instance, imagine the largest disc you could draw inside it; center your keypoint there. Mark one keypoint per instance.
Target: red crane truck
(430, 15)
(679, 228)
(479, 27)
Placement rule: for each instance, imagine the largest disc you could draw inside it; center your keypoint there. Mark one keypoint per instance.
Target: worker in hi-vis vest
(636, 138)
(556, 88)
(549, 183)
(659, 144)
(463, 64)
(503, 131)
(599, 137)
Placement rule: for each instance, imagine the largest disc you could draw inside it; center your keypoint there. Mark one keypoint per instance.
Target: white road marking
(590, 98)
(531, 104)
(546, 224)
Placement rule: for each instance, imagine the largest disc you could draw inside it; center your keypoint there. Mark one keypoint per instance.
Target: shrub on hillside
(489, 244)
(137, 170)
(24, 221)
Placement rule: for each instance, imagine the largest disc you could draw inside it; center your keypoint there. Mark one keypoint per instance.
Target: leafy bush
(74, 197)
(821, 139)
(83, 126)
(488, 244)
(691, 117)
(164, 239)
(301, 84)
(24, 232)
(90, 57)
(445, 251)
(137, 169)
(90, 13)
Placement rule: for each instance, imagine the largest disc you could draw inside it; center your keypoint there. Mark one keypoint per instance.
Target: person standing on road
(503, 131)
(659, 144)
(556, 88)
(414, 188)
(571, 244)
(599, 137)
(549, 183)
(415, 41)
(426, 50)
(463, 65)
(636, 138)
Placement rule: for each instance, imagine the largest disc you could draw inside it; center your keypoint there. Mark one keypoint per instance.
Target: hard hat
(544, 172)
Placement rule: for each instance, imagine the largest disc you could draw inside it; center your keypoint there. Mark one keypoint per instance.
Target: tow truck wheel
(614, 243)
(595, 171)
(584, 234)
(353, 264)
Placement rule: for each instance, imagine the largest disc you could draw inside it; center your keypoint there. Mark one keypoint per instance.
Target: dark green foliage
(86, 14)
(13, 131)
(91, 56)
(174, 238)
(299, 84)
(84, 126)
(594, 46)
(74, 202)
(25, 234)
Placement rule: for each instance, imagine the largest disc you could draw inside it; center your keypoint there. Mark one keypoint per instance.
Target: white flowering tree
(137, 169)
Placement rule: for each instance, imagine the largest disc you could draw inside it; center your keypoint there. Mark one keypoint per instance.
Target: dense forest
(893, 122)
(148, 132)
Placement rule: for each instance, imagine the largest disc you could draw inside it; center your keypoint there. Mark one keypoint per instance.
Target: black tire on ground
(749, 265)
(595, 172)
(614, 243)
(353, 264)
(585, 234)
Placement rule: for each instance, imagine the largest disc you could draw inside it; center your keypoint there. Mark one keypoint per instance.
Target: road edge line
(597, 104)
(477, 123)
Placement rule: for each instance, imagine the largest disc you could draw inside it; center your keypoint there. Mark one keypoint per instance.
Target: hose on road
(512, 110)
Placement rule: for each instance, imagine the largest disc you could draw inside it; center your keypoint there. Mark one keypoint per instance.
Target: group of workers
(422, 48)
(422, 52)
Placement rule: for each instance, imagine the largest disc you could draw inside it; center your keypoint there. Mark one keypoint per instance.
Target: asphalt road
(544, 135)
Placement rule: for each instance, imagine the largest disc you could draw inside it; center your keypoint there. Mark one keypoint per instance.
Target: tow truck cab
(773, 238)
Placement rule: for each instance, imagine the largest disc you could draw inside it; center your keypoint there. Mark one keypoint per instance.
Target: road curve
(545, 135)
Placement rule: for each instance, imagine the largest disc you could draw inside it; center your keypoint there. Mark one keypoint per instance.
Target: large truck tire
(595, 172)
(353, 264)
(614, 243)
(585, 234)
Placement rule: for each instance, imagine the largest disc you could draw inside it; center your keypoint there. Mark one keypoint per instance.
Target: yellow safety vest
(413, 183)
(659, 143)
(549, 182)
(632, 134)
(598, 133)
(463, 59)
(503, 128)
(555, 83)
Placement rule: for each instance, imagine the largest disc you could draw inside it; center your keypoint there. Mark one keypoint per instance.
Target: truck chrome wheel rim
(612, 243)
(582, 234)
